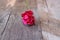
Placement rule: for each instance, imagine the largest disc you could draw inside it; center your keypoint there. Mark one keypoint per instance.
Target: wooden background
(49, 11)
(46, 12)
(11, 26)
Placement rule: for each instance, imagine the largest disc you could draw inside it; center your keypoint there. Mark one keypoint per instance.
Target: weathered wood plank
(49, 11)
(8, 26)
(53, 20)
(15, 30)
(3, 21)
(18, 31)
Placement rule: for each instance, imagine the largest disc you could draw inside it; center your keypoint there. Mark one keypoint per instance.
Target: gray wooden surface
(13, 28)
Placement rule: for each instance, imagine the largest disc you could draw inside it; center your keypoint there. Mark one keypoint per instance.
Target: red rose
(28, 18)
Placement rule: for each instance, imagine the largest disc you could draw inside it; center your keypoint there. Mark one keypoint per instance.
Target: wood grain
(16, 30)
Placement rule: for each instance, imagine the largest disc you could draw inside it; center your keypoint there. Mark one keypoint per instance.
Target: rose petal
(25, 17)
(30, 13)
(24, 22)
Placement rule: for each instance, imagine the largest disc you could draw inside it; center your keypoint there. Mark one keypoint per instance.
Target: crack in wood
(5, 25)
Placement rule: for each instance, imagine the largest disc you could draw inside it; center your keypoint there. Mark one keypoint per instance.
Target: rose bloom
(28, 18)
